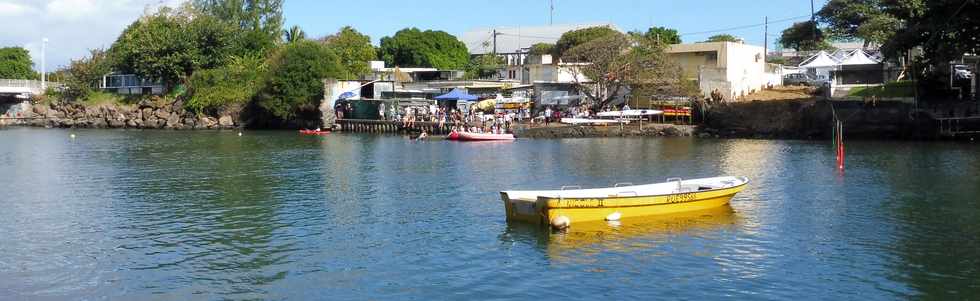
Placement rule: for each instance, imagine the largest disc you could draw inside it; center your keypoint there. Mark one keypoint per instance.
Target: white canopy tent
(859, 57)
(820, 60)
(820, 64)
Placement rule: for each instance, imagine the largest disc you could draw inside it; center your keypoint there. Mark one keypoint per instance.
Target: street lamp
(44, 75)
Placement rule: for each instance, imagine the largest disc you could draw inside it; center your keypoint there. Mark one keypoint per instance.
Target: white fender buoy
(615, 216)
(561, 222)
(239, 134)
(72, 136)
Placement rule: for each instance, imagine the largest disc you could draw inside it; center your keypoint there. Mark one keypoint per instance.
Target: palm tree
(294, 34)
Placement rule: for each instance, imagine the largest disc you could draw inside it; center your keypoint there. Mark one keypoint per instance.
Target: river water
(115, 214)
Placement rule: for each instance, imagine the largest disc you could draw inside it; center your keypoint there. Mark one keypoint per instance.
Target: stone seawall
(144, 115)
(631, 130)
(815, 119)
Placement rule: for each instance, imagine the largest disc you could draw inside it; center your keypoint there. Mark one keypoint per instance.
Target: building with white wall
(733, 69)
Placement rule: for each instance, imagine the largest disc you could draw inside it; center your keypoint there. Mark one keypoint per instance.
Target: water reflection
(275, 215)
(584, 240)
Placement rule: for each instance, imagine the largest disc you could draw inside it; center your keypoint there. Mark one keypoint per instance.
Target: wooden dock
(959, 126)
(391, 126)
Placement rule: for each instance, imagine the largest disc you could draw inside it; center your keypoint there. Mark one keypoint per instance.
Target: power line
(527, 36)
(683, 34)
(744, 26)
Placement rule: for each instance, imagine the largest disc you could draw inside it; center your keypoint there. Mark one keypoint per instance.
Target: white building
(733, 69)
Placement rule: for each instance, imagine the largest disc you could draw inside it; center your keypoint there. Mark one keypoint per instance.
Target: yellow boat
(560, 208)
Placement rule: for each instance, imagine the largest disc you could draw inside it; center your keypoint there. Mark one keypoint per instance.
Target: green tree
(804, 36)
(485, 65)
(944, 29)
(412, 47)
(83, 75)
(574, 38)
(354, 49)
(873, 21)
(722, 38)
(157, 46)
(260, 20)
(293, 34)
(215, 41)
(542, 48)
(171, 44)
(663, 35)
(235, 83)
(15, 63)
(295, 78)
(621, 64)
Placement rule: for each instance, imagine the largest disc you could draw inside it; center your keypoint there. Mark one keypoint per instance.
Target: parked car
(803, 79)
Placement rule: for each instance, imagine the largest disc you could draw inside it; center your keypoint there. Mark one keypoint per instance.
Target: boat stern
(521, 207)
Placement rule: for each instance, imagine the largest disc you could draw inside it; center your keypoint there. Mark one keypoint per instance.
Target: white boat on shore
(630, 113)
(587, 121)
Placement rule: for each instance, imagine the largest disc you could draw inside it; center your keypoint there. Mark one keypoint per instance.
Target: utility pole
(765, 45)
(495, 41)
(813, 21)
(551, 15)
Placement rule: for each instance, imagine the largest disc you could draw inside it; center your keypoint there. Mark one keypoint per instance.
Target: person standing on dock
(547, 115)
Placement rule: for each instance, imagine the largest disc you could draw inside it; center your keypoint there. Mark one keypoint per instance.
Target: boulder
(208, 122)
(117, 123)
(162, 114)
(151, 123)
(173, 121)
(226, 121)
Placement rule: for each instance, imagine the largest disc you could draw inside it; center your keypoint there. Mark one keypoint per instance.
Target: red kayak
(465, 136)
(313, 132)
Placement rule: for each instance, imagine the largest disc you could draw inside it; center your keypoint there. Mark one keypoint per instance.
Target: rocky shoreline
(143, 115)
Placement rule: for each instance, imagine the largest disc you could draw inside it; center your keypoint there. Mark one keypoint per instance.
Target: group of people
(554, 114)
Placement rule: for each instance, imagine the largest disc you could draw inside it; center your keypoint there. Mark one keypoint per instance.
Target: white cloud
(70, 9)
(72, 26)
(10, 9)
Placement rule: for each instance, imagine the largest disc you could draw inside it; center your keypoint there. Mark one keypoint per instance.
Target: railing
(26, 83)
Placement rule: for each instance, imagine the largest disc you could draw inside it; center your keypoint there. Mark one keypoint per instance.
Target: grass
(99, 98)
(889, 90)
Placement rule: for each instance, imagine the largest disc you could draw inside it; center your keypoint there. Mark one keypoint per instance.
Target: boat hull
(483, 137)
(313, 132)
(545, 209)
(637, 206)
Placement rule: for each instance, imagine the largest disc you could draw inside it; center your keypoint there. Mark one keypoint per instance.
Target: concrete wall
(332, 89)
(746, 68)
(741, 66)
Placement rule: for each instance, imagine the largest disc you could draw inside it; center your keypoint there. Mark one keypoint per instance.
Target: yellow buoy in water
(561, 222)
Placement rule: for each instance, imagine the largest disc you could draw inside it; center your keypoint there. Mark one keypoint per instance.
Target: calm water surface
(119, 214)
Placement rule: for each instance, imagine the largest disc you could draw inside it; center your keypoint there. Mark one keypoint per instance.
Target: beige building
(733, 69)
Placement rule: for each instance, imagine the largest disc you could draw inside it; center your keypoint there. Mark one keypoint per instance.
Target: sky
(74, 26)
